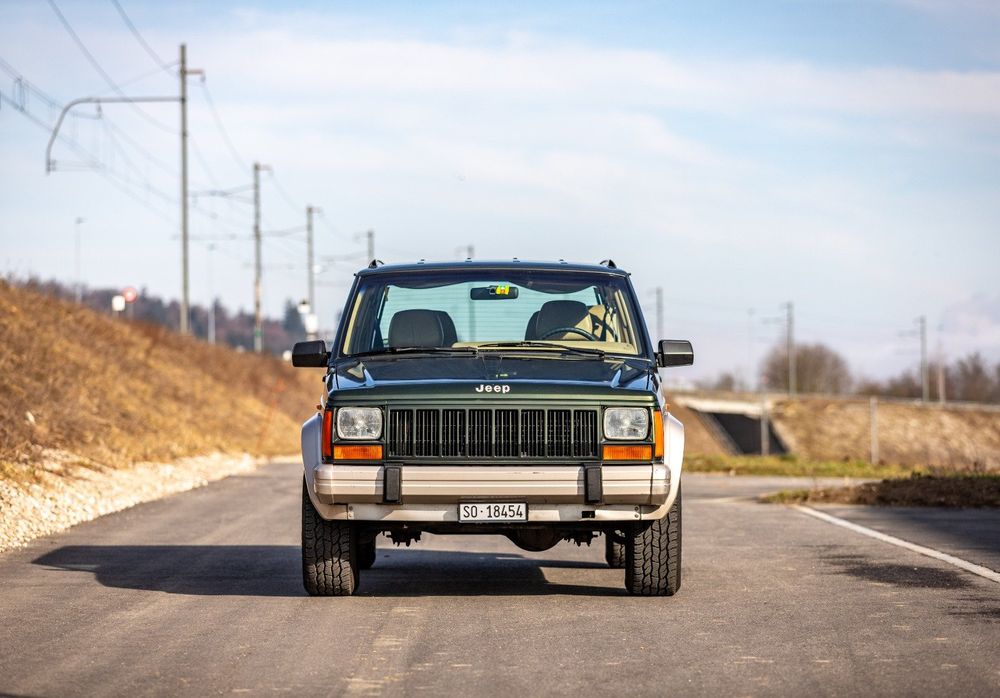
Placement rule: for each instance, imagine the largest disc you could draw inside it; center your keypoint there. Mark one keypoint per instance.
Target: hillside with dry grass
(109, 392)
(953, 436)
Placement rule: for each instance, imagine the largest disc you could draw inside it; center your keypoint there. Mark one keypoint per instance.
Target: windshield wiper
(393, 351)
(529, 344)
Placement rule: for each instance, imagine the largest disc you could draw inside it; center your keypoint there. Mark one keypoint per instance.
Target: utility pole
(185, 275)
(659, 313)
(765, 428)
(925, 385)
(790, 341)
(79, 277)
(310, 256)
(873, 457)
(940, 380)
(258, 317)
(184, 193)
(184, 72)
(211, 293)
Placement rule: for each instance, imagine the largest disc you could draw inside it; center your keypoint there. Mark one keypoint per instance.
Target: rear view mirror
(310, 354)
(499, 292)
(674, 352)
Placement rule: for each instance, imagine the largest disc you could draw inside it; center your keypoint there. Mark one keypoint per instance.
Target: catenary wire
(97, 67)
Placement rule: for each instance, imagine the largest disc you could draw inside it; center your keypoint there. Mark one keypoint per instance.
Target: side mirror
(310, 354)
(674, 352)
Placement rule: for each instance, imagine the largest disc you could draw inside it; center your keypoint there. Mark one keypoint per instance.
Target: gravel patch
(66, 490)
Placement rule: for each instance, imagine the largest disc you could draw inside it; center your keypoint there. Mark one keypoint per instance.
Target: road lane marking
(984, 572)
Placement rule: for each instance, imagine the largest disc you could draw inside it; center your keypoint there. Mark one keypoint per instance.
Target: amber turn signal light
(657, 434)
(618, 452)
(357, 452)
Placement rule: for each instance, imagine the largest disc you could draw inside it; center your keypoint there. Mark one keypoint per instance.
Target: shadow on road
(919, 576)
(274, 570)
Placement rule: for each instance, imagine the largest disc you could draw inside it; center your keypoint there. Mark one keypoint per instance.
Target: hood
(472, 377)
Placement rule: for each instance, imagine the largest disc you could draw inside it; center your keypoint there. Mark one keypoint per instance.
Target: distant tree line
(232, 328)
(820, 369)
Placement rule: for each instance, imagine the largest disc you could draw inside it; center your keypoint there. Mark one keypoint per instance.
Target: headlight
(626, 423)
(358, 423)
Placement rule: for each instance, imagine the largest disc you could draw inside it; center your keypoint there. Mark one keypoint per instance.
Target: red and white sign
(130, 294)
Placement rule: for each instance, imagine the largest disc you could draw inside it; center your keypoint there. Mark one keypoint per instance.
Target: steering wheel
(592, 337)
(606, 326)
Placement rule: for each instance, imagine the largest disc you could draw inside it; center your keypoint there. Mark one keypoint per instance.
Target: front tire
(653, 555)
(329, 553)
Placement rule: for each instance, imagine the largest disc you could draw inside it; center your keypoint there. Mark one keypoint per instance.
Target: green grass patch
(790, 465)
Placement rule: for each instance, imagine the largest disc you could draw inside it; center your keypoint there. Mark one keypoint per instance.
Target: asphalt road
(200, 593)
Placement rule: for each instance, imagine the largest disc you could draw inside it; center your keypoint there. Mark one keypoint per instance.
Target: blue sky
(842, 155)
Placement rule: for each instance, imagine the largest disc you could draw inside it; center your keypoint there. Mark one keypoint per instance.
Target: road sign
(130, 294)
(118, 303)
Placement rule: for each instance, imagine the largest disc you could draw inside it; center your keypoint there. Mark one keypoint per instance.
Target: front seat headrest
(555, 314)
(417, 328)
(448, 327)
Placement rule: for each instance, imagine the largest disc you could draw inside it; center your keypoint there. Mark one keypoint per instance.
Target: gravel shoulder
(66, 490)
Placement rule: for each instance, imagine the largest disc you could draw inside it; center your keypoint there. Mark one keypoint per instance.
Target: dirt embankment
(815, 428)
(935, 436)
(698, 438)
(969, 491)
(111, 393)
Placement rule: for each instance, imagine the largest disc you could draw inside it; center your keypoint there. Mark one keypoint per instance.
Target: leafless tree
(819, 369)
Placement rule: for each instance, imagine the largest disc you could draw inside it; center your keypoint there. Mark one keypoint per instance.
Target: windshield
(482, 308)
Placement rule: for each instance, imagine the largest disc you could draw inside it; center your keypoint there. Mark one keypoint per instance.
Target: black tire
(366, 555)
(614, 552)
(329, 553)
(653, 555)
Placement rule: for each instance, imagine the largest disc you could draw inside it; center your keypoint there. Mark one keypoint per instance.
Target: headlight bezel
(626, 429)
(366, 423)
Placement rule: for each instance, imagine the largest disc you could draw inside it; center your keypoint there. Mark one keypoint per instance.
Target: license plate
(488, 512)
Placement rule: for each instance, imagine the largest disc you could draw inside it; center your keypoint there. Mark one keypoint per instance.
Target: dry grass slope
(909, 434)
(116, 393)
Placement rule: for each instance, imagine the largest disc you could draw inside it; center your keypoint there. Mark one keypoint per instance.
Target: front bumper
(431, 493)
(539, 484)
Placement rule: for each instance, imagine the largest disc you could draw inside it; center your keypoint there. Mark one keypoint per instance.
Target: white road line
(984, 572)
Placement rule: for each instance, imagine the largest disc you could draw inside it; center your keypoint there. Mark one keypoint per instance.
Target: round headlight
(359, 423)
(630, 423)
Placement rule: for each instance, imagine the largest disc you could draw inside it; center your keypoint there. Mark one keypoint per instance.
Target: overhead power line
(138, 37)
(237, 158)
(100, 69)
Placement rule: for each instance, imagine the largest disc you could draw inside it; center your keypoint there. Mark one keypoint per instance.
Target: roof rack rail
(375, 263)
(609, 263)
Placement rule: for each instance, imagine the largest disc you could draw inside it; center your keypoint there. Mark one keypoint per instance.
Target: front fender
(312, 456)
(673, 453)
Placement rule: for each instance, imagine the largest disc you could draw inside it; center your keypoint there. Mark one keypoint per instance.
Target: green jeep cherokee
(509, 398)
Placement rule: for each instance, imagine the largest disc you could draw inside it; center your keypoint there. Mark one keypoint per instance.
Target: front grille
(498, 434)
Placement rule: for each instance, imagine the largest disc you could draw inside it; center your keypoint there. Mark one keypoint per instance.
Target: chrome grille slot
(426, 433)
(399, 437)
(560, 433)
(585, 433)
(532, 433)
(506, 444)
(480, 433)
(453, 435)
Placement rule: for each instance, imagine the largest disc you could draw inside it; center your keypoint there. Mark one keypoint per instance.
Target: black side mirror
(674, 352)
(310, 354)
